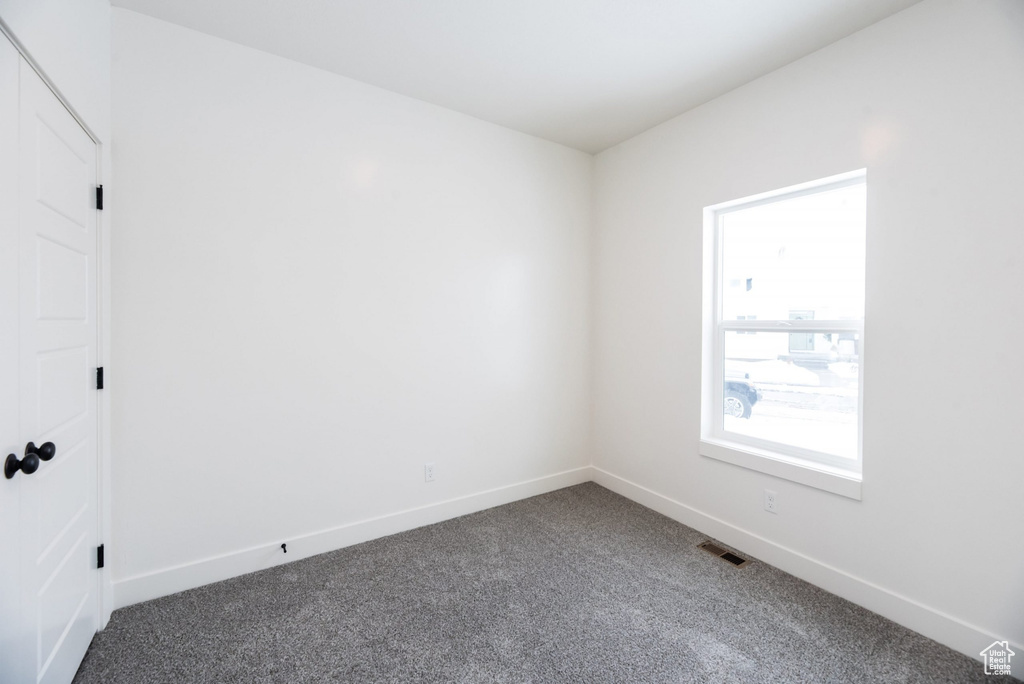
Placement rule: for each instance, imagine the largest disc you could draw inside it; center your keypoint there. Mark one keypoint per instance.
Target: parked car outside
(740, 395)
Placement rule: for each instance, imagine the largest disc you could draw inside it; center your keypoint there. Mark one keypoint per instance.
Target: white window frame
(823, 471)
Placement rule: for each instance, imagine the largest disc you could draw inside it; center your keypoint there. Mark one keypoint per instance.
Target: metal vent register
(725, 555)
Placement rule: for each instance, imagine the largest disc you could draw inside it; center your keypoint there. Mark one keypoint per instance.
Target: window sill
(842, 482)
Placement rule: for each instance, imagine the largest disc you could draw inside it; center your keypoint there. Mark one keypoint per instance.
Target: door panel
(63, 397)
(63, 175)
(63, 598)
(63, 282)
(62, 512)
(57, 328)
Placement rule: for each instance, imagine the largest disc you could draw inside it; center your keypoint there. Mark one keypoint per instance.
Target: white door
(56, 238)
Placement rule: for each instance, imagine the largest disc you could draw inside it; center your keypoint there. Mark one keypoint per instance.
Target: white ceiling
(586, 73)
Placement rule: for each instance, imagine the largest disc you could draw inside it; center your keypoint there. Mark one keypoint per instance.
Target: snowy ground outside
(814, 410)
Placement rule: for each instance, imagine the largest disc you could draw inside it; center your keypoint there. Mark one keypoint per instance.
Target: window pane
(799, 258)
(801, 393)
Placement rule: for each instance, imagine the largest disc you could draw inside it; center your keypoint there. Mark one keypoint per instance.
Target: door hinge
(99, 197)
(99, 556)
(99, 378)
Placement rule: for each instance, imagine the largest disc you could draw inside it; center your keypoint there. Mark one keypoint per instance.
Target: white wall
(320, 286)
(931, 102)
(389, 240)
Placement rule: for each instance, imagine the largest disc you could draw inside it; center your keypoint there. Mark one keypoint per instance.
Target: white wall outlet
(428, 472)
(771, 501)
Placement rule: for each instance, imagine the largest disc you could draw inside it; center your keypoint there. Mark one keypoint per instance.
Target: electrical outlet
(428, 472)
(771, 501)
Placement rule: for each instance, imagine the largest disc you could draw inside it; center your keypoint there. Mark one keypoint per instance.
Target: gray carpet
(579, 585)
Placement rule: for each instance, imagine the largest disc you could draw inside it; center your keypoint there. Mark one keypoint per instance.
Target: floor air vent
(728, 556)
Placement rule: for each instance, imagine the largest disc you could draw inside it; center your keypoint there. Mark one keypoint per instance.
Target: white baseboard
(934, 624)
(195, 574)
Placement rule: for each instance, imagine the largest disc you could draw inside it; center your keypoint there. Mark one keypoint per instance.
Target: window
(784, 332)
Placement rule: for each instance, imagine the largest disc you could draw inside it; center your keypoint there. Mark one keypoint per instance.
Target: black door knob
(45, 451)
(27, 465)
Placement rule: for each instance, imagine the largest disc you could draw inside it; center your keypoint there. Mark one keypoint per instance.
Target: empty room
(511, 341)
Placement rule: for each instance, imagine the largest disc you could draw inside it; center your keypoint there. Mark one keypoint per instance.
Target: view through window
(788, 328)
